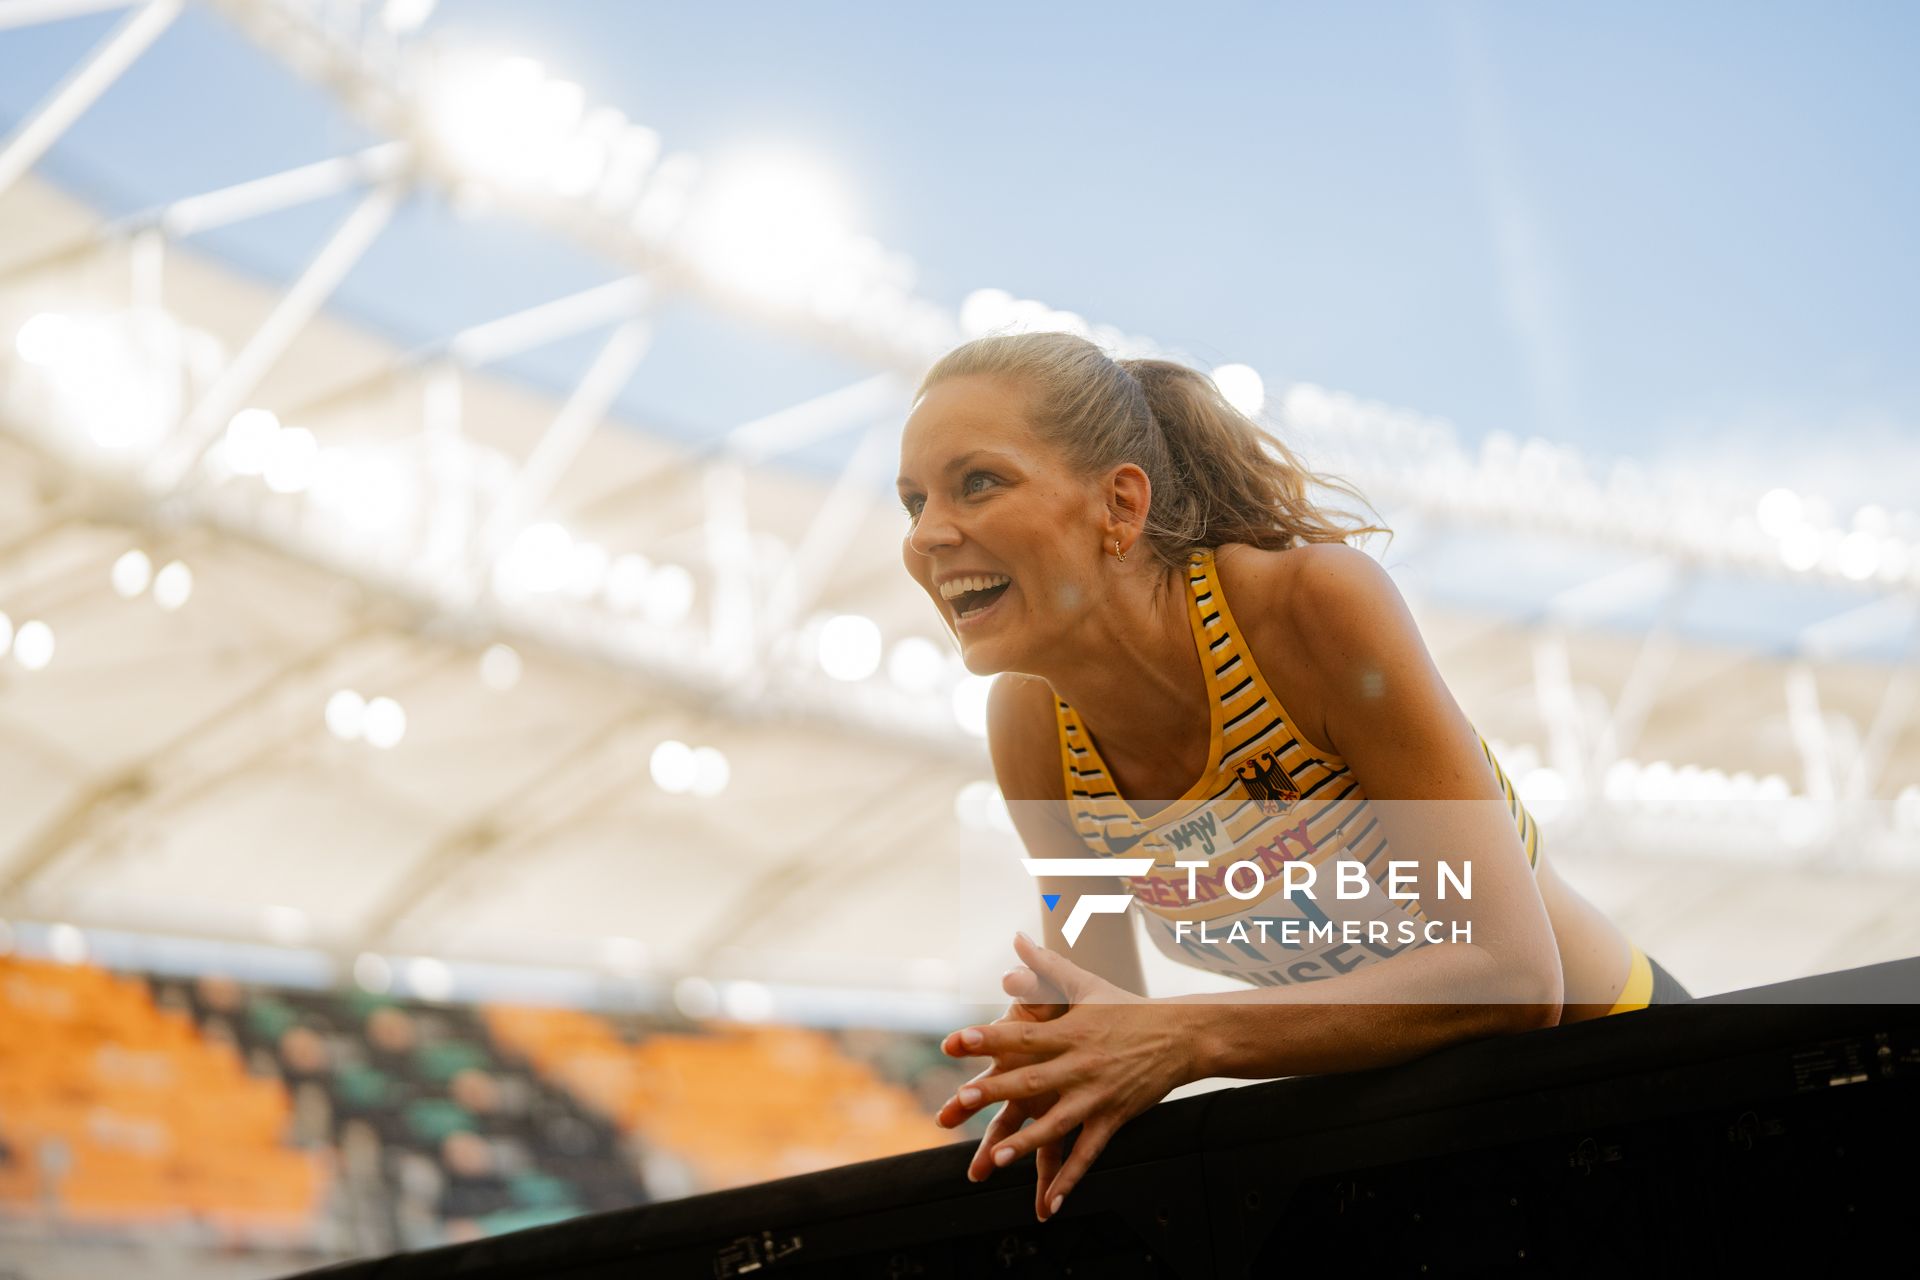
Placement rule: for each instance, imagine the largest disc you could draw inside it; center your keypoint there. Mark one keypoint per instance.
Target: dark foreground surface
(1757, 1129)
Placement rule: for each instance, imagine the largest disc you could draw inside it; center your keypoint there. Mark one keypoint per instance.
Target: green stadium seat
(362, 1087)
(505, 1220)
(442, 1061)
(432, 1119)
(533, 1189)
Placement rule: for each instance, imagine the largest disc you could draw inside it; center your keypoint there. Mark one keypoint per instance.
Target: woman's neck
(1137, 684)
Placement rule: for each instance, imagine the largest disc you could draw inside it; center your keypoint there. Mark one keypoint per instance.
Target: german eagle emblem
(1267, 783)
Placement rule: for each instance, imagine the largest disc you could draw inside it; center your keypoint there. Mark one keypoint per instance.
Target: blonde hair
(1217, 477)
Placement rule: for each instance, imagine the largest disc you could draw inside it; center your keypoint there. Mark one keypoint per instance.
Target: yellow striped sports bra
(1266, 797)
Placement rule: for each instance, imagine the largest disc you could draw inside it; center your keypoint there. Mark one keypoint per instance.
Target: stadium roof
(173, 771)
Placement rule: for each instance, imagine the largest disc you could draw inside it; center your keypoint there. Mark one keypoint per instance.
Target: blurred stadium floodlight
(504, 119)
(776, 224)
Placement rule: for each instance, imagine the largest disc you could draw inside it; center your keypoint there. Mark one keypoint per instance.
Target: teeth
(979, 582)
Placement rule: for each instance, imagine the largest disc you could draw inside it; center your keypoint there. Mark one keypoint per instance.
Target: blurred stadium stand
(230, 1118)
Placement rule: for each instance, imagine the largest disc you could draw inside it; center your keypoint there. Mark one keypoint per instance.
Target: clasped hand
(1072, 1050)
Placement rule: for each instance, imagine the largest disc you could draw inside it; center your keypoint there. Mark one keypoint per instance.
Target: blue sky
(1648, 229)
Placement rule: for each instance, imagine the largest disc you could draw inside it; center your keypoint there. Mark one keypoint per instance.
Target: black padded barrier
(1753, 1131)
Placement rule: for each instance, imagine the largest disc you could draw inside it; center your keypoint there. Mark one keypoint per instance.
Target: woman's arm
(1392, 1011)
(1024, 745)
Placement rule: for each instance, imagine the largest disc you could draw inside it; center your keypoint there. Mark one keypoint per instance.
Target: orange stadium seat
(152, 1122)
(737, 1105)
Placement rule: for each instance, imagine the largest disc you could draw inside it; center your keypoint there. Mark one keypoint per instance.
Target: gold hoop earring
(1118, 552)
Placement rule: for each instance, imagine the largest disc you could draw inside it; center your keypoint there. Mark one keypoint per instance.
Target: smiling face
(1002, 536)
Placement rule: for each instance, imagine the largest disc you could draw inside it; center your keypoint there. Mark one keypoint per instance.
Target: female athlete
(1199, 671)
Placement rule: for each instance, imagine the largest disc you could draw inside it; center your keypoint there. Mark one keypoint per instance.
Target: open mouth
(970, 606)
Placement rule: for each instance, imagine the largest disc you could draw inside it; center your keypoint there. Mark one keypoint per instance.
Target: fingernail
(1055, 1206)
(1003, 1155)
(1023, 937)
(969, 1096)
(971, 1039)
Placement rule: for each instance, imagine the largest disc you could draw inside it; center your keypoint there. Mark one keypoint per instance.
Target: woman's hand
(1034, 1001)
(1109, 1057)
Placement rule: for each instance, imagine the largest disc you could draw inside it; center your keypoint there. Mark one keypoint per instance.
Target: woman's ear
(1129, 495)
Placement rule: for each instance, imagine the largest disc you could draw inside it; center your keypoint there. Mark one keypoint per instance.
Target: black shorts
(1666, 987)
(1648, 984)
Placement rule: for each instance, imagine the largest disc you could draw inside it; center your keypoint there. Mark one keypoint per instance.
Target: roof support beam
(1890, 718)
(15, 14)
(832, 528)
(1811, 737)
(287, 189)
(549, 322)
(495, 340)
(83, 87)
(1641, 689)
(1560, 711)
(730, 565)
(227, 205)
(203, 423)
(820, 418)
(566, 435)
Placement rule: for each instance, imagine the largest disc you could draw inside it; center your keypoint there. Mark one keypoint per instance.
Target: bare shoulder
(1023, 739)
(1301, 609)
